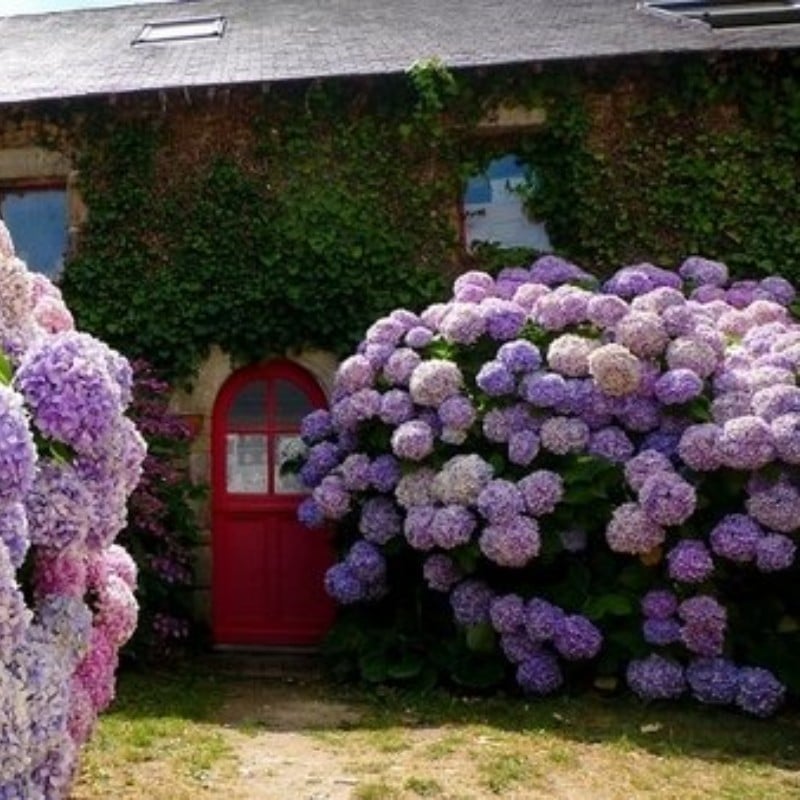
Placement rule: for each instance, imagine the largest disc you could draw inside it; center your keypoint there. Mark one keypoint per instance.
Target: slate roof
(89, 52)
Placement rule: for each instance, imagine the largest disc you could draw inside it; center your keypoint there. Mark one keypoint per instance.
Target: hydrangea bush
(599, 481)
(69, 459)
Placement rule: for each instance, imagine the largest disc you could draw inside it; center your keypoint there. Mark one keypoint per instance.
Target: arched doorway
(267, 573)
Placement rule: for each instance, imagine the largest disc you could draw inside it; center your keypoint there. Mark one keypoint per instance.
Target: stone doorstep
(298, 663)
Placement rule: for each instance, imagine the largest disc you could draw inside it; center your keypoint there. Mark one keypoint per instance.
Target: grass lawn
(193, 734)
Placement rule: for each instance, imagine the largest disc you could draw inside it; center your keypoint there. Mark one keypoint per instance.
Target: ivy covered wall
(289, 218)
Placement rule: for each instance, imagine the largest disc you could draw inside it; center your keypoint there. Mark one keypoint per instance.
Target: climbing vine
(292, 219)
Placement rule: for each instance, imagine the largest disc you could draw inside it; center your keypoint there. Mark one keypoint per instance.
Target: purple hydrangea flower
(562, 435)
(678, 386)
(384, 473)
(690, 562)
(775, 552)
(760, 693)
(470, 601)
(310, 514)
(367, 562)
(507, 613)
(689, 353)
(386, 330)
(786, 436)
(517, 647)
(452, 526)
(659, 604)
(380, 520)
(643, 333)
(615, 369)
(457, 412)
(417, 527)
(576, 638)
(316, 426)
(495, 379)
(523, 447)
(643, 465)
(702, 271)
(419, 337)
(500, 500)
(704, 624)
(735, 537)
(432, 382)
(463, 324)
(779, 289)
(776, 506)
(512, 542)
(415, 488)
(354, 471)
(553, 271)
(440, 572)
(668, 499)
(412, 440)
(656, 678)
(354, 373)
(519, 356)
(542, 491)
(606, 310)
(397, 370)
(343, 585)
(542, 619)
(714, 681)
(539, 674)
(632, 531)
(661, 632)
(461, 479)
(332, 497)
(569, 355)
(14, 532)
(504, 318)
(543, 389)
(746, 443)
(698, 447)
(612, 444)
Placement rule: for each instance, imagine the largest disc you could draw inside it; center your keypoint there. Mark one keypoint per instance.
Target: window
(37, 218)
(178, 30)
(731, 13)
(494, 212)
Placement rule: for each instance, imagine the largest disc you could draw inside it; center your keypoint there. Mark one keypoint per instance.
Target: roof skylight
(180, 30)
(732, 13)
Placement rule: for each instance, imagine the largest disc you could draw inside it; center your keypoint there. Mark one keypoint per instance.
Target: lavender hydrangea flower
(562, 435)
(14, 532)
(523, 447)
(495, 379)
(354, 471)
(656, 678)
(714, 681)
(615, 369)
(539, 674)
(380, 520)
(569, 355)
(452, 526)
(463, 324)
(661, 632)
(519, 356)
(316, 426)
(542, 491)
(310, 514)
(517, 646)
(698, 447)
(668, 499)
(639, 468)
(746, 443)
(440, 572)
(504, 318)
(384, 473)
(543, 389)
(775, 552)
(735, 537)
(576, 638)
(470, 601)
(507, 613)
(678, 386)
(511, 543)
(415, 488)
(542, 619)
(457, 412)
(659, 604)
(779, 289)
(632, 531)
(776, 506)
(688, 353)
(690, 562)
(703, 272)
(461, 480)
(367, 562)
(332, 497)
(704, 624)
(785, 431)
(612, 444)
(643, 333)
(354, 373)
(432, 382)
(417, 527)
(419, 337)
(397, 370)
(759, 693)
(500, 500)
(606, 310)
(553, 271)
(774, 401)
(343, 585)
(412, 440)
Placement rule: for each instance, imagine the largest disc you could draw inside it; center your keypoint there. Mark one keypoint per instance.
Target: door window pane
(288, 448)
(37, 221)
(249, 408)
(246, 460)
(291, 404)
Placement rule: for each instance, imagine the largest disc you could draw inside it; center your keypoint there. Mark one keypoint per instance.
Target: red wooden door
(267, 576)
